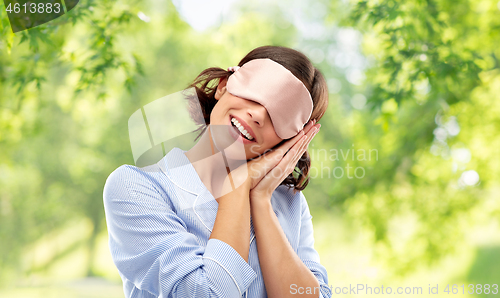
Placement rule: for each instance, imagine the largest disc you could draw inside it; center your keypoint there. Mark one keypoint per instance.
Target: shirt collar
(180, 171)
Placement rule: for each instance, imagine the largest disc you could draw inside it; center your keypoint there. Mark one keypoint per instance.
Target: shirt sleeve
(307, 253)
(152, 248)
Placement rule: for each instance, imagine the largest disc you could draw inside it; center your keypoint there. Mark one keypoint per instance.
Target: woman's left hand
(264, 189)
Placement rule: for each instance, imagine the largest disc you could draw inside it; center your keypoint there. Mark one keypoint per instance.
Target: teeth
(241, 129)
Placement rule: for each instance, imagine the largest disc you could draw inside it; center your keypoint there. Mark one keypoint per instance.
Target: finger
(310, 135)
(307, 128)
(277, 154)
(277, 163)
(291, 158)
(266, 162)
(308, 140)
(291, 153)
(288, 144)
(305, 143)
(299, 153)
(286, 166)
(309, 125)
(285, 147)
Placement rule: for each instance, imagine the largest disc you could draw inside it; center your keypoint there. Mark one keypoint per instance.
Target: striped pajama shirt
(159, 221)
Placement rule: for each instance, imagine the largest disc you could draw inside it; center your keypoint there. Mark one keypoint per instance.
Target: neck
(210, 164)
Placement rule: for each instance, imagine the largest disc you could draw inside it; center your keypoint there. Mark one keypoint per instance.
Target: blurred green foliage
(431, 90)
(64, 108)
(68, 87)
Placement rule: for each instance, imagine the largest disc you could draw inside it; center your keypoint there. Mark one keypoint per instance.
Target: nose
(257, 113)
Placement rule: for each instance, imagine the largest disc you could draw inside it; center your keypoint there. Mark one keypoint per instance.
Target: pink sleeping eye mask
(284, 96)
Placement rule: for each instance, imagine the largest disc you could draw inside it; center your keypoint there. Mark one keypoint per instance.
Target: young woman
(193, 226)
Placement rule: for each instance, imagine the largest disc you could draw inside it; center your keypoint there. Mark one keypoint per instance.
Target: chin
(238, 152)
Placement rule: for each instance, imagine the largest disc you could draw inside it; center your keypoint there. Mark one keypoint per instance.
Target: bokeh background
(405, 184)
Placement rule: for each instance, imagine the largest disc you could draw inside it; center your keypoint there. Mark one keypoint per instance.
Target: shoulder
(135, 182)
(126, 175)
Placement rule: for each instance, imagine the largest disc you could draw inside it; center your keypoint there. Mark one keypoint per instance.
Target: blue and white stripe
(159, 222)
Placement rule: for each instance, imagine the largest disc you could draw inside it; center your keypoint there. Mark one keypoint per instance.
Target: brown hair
(298, 64)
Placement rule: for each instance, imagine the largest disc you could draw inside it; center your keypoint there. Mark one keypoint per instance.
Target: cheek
(272, 140)
(273, 137)
(216, 114)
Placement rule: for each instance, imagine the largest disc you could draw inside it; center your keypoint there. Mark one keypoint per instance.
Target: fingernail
(314, 133)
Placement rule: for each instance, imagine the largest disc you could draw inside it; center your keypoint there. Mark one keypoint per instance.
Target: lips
(234, 131)
(238, 131)
(245, 126)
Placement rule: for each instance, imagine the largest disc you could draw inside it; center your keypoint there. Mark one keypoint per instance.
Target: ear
(221, 88)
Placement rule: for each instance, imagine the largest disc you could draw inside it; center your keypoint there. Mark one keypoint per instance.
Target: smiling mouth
(237, 129)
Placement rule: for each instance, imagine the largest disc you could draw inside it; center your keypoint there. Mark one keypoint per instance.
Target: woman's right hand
(249, 174)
